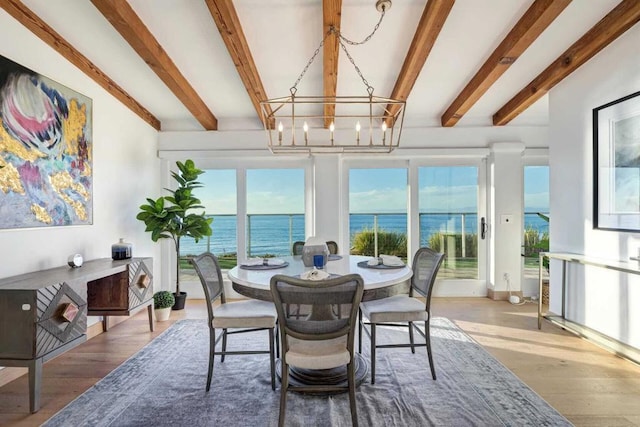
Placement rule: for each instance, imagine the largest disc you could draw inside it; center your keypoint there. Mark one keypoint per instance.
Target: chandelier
(336, 124)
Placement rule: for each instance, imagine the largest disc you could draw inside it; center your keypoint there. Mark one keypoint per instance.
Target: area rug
(164, 385)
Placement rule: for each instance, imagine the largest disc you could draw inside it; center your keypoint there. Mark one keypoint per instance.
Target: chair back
(426, 264)
(321, 323)
(333, 247)
(208, 269)
(297, 248)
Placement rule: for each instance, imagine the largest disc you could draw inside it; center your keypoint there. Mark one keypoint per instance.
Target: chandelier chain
(351, 42)
(294, 88)
(366, 83)
(341, 38)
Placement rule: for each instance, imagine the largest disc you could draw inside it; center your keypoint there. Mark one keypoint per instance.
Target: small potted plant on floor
(177, 215)
(162, 303)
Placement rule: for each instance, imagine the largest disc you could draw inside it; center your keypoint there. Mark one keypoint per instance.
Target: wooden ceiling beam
(47, 34)
(124, 19)
(535, 20)
(228, 23)
(331, 17)
(433, 18)
(614, 24)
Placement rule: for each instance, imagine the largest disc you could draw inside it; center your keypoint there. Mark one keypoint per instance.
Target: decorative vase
(121, 250)
(162, 314)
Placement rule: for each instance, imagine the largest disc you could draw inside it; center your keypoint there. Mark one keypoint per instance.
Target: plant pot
(180, 300)
(162, 314)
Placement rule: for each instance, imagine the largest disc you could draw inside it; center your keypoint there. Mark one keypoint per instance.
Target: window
(275, 211)
(378, 211)
(448, 210)
(218, 196)
(536, 217)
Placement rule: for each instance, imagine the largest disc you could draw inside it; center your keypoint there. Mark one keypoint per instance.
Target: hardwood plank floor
(588, 385)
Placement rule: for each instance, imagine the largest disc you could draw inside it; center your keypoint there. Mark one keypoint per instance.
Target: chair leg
(413, 349)
(272, 360)
(284, 385)
(212, 343)
(351, 378)
(427, 331)
(224, 344)
(277, 340)
(373, 353)
(359, 331)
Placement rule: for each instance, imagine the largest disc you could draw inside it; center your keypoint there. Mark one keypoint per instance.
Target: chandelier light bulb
(384, 132)
(358, 132)
(280, 129)
(305, 127)
(332, 127)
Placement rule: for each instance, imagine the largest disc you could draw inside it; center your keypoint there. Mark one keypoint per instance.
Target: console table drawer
(37, 322)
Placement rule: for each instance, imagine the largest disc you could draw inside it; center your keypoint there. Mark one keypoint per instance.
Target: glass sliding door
(536, 218)
(218, 196)
(275, 211)
(378, 211)
(448, 217)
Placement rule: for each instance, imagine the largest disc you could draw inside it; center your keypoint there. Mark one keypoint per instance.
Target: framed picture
(45, 151)
(616, 164)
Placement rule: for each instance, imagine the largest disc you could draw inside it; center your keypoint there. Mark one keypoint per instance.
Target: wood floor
(588, 385)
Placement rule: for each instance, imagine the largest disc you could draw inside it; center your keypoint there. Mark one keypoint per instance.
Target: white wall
(601, 299)
(125, 170)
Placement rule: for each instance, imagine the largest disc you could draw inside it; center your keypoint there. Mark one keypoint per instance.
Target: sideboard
(44, 313)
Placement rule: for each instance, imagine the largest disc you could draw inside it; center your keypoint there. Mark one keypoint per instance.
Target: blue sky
(442, 189)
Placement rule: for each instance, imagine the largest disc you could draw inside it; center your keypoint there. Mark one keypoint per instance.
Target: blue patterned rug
(164, 385)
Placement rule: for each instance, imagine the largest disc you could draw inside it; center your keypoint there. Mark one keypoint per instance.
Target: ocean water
(275, 234)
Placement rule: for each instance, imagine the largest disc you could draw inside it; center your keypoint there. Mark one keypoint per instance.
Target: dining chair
(320, 340)
(333, 247)
(404, 310)
(240, 316)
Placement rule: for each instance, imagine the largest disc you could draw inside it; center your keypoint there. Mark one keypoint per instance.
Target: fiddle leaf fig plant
(178, 214)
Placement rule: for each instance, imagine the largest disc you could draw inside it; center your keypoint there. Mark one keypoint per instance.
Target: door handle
(484, 227)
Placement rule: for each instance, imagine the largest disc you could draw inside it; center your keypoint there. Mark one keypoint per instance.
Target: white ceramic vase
(162, 314)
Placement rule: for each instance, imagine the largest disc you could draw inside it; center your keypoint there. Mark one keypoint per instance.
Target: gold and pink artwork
(45, 151)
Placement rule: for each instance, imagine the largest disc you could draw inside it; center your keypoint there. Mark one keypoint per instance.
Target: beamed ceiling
(185, 65)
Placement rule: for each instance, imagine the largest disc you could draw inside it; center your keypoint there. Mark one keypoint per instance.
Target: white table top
(373, 278)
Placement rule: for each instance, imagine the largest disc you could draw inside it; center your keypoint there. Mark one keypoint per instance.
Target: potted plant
(162, 303)
(173, 216)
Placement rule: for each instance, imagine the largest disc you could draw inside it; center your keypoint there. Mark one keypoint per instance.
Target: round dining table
(379, 282)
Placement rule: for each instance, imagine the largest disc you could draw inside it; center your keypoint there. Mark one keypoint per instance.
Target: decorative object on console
(46, 178)
(75, 260)
(121, 250)
(172, 217)
(616, 165)
(162, 303)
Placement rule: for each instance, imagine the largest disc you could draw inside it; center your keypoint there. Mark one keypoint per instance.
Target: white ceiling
(283, 34)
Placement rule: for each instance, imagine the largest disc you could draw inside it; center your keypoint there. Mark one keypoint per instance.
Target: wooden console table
(610, 343)
(44, 313)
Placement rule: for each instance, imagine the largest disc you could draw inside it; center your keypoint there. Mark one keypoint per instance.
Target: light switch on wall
(506, 219)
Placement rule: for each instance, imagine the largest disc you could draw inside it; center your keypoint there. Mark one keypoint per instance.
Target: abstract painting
(45, 151)
(617, 164)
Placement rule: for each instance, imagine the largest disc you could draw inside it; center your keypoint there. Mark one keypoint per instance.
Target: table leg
(150, 312)
(35, 384)
(336, 376)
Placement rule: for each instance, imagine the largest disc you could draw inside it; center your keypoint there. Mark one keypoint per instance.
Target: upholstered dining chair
(320, 340)
(240, 316)
(404, 310)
